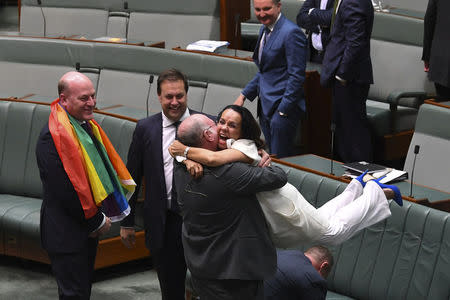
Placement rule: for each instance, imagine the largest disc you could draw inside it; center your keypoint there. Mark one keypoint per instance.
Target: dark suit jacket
(318, 17)
(145, 159)
(295, 279)
(436, 41)
(64, 228)
(224, 231)
(348, 50)
(279, 82)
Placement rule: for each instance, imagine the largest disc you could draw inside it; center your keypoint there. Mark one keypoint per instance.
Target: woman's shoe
(360, 178)
(397, 195)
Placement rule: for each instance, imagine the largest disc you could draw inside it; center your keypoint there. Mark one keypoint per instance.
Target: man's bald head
(198, 131)
(77, 95)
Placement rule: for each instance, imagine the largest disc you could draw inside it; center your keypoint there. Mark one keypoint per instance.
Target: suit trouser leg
(74, 271)
(353, 138)
(280, 132)
(442, 91)
(370, 208)
(353, 190)
(169, 260)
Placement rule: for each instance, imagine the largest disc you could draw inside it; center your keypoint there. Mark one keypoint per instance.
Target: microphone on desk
(150, 81)
(39, 2)
(77, 66)
(333, 129)
(236, 29)
(416, 151)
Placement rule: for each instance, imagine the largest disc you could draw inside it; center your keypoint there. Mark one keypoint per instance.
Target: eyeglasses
(208, 128)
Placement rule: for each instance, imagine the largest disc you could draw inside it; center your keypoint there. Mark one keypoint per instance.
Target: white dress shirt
(168, 136)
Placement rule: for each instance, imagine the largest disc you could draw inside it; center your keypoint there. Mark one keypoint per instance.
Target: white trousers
(293, 221)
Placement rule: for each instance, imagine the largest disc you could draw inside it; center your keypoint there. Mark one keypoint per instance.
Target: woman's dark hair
(249, 127)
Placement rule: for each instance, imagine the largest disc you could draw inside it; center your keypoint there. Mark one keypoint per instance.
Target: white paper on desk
(207, 45)
(394, 174)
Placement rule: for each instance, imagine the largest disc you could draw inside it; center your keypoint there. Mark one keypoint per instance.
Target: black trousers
(353, 138)
(169, 260)
(228, 289)
(442, 91)
(74, 271)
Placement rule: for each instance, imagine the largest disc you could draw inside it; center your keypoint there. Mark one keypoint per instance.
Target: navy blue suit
(64, 228)
(312, 21)
(279, 85)
(348, 56)
(295, 279)
(162, 226)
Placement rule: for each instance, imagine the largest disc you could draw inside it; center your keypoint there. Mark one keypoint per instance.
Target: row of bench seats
(120, 73)
(403, 257)
(177, 23)
(21, 188)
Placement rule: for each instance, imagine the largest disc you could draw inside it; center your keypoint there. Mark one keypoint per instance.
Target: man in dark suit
(347, 68)
(436, 46)
(226, 241)
(69, 233)
(280, 55)
(300, 275)
(148, 157)
(315, 17)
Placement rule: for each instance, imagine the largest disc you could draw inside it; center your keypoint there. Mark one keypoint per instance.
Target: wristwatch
(282, 114)
(186, 150)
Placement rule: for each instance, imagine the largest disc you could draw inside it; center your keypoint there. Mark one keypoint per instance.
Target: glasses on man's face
(208, 128)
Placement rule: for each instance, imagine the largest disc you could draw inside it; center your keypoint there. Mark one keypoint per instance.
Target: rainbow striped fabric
(94, 168)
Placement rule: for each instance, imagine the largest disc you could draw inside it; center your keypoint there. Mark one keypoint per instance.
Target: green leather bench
(403, 257)
(176, 22)
(21, 188)
(121, 74)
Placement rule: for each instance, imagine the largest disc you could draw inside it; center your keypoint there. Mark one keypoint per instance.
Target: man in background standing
(347, 69)
(436, 46)
(280, 55)
(149, 158)
(315, 18)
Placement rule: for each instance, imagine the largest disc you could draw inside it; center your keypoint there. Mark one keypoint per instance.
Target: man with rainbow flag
(86, 186)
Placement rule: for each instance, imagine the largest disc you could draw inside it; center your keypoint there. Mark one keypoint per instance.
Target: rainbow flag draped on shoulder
(95, 170)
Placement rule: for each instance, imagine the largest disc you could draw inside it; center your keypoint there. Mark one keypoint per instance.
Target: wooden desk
(228, 53)
(445, 104)
(81, 38)
(321, 166)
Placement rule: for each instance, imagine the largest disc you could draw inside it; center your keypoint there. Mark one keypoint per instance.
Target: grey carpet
(21, 279)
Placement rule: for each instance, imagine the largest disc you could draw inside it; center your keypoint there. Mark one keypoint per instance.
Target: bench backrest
(176, 22)
(20, 125)
(120, 73)
(432, 135)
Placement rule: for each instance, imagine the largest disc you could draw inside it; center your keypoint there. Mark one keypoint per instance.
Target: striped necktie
(265, 36)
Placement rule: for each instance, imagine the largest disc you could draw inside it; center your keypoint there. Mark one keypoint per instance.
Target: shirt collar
(274, 23)
(166, 122)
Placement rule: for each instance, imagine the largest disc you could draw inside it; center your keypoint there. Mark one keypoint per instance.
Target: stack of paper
(208, 46)
(377, 171)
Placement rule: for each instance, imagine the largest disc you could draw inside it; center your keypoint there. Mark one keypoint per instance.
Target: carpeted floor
(25, 280)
